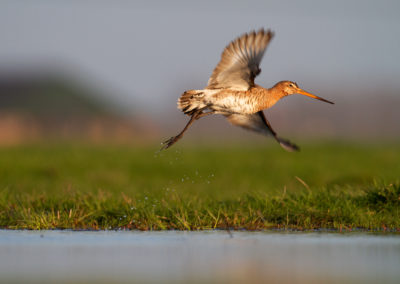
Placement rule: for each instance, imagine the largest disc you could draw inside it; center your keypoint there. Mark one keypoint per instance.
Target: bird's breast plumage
(235, 101)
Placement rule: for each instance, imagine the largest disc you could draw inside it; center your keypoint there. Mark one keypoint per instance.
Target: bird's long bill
(302, 92)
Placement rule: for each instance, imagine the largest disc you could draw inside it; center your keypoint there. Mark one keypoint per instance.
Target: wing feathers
(240, 61)
(258, 123)
(251, 122)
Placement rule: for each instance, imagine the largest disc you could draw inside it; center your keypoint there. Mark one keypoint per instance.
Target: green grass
(328, 185)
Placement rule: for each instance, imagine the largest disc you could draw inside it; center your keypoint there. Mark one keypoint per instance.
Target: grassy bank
(327, 185)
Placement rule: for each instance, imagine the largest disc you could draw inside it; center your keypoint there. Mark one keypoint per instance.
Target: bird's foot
(168, 143)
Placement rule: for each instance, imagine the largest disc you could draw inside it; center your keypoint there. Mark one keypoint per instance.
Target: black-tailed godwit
(231, 90)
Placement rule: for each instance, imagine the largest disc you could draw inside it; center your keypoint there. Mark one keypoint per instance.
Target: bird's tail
(190, 101)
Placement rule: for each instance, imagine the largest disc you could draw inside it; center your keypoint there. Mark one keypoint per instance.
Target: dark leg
(203, 114)
(171, 141)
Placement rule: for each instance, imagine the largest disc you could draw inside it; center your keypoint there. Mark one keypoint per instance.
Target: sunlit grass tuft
(328, 186)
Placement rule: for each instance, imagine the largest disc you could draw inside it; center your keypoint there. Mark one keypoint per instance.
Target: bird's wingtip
(288, 146)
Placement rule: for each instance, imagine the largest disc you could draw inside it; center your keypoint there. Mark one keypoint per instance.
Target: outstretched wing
(240, 61)
(258, 123)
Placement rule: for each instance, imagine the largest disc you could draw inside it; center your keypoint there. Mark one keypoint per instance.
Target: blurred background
(113, 70)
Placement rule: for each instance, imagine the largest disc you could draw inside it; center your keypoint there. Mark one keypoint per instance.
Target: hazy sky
(148, 52)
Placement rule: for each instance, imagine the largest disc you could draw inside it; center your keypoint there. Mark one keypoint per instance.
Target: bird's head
(289, 88)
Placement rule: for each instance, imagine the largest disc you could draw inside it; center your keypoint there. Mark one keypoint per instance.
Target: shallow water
(197, 257)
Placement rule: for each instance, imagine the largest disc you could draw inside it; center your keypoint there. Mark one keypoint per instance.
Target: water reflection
(65, 256)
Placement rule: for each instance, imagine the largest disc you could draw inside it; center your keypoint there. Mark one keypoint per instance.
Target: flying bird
(231, 90)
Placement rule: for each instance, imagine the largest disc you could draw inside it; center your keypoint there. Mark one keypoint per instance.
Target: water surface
(197, 257)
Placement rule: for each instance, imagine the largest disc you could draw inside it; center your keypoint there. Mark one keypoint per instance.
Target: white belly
(232, 104)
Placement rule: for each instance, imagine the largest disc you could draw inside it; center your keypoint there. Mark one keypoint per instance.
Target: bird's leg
(203, 114)
(171, 141)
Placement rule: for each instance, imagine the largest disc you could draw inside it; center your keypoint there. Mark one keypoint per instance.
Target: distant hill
(43, 105)
(48, 96)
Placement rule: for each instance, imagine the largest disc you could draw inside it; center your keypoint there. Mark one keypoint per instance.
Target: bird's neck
(271, 96)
